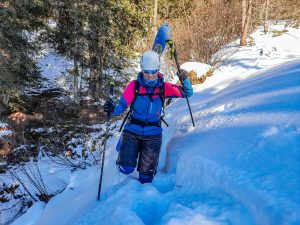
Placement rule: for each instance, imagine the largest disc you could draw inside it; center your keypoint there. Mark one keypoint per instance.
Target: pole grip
(111, 97)
(174, 54)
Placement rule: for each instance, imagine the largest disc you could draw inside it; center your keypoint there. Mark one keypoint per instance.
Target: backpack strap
(162, 98)
(136, 93)
(162, 95)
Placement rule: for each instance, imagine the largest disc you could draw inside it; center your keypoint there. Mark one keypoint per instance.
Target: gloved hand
(182, 74)
(109, 106)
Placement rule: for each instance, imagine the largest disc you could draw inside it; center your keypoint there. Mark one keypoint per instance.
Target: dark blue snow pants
(143, 148)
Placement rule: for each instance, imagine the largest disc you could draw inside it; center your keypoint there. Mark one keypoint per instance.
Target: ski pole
(111, 94)
(174, 54)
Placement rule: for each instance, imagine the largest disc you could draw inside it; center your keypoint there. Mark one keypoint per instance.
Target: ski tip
(165, 26)
(160, 41)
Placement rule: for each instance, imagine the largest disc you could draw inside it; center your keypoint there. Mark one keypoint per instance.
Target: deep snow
(239, 165)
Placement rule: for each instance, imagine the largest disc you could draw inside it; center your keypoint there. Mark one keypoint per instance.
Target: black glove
(109, 106)
(182, 75)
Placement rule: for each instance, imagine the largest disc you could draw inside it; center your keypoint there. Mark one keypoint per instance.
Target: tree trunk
(62, 14)
(75, 83)
(244, 12)
(100, 75)
(93, 77)
(94, 62)
(155, 17)
(76, 61)
(244, 35)
(266, 16)
(81, 75)
(190, 32)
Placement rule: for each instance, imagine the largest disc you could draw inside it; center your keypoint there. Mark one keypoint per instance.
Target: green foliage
(101, 35)
(276, 33)
(17, 67)
(251, 41)
(175, 9)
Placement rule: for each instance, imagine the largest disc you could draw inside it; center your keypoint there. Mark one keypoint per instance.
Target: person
(142, 135)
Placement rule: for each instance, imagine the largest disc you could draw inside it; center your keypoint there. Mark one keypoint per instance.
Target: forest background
(103, 40)
(103, 37)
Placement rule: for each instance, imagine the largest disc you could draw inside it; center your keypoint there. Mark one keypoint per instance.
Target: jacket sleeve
(175, 91)
(125, 100)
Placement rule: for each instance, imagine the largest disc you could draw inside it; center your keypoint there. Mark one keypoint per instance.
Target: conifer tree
(17, 67)
(100, 35)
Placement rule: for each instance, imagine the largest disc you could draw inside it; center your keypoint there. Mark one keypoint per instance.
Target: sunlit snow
(239, 165)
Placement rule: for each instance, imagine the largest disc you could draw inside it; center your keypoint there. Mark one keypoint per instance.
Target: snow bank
(248, 139)
(31, 215)
(199, 68)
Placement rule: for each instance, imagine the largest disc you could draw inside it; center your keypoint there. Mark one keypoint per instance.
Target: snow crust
(199, 68)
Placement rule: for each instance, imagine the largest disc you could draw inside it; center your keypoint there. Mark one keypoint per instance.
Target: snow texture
(239, 165)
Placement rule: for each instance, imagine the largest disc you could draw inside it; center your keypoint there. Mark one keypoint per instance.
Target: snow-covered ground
(4, 131)
(239, 165)
(55, 69)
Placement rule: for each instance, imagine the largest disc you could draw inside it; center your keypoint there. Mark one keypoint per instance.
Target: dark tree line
(101, 37)
(17, 67)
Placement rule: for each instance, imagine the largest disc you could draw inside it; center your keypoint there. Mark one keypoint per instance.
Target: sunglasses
(150, 71)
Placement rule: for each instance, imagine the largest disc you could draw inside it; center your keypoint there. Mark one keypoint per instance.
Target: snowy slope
(54, 68)
(248, 145)
(239, 165)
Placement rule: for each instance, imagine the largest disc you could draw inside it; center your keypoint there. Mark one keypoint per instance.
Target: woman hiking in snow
(142, 135)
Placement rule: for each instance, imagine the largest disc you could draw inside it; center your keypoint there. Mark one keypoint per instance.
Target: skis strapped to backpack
(161, 38)
(160, 42)
(137, 93)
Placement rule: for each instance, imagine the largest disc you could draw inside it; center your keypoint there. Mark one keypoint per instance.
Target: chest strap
(144, 123)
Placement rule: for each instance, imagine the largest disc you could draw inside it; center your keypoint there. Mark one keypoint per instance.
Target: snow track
(163, 202)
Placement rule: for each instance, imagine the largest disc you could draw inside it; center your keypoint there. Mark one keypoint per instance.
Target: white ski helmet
(150, 60)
